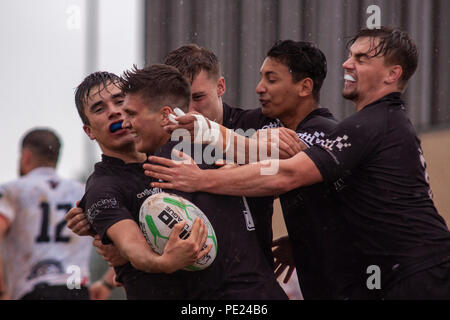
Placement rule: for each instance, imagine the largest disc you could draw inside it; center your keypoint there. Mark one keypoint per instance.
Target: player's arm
(4, 226)
(272, 177)
(277, 143)
(178, 253)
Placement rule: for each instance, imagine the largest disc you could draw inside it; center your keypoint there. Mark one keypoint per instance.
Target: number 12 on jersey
(59, 226)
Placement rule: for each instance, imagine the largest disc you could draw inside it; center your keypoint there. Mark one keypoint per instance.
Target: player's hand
(282, 253)
(78, 222)
(182, 175)
(98, 291)
(185, 122)
(179, 253)
(285, 140)
(109, 253)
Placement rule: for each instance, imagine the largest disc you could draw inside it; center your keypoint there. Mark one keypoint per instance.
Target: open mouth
(115, 126)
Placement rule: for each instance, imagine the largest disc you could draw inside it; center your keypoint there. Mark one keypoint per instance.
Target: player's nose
(260, 88)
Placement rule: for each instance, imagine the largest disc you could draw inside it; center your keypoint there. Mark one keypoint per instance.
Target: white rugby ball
(161, 211)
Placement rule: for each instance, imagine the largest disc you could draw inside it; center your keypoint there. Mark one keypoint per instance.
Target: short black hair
(44, 144)
(395, 46)
(303, 59)
(158, 85)
(191, 59)
(84, 89)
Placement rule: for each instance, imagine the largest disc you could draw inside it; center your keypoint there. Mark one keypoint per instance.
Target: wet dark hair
(395, 46)
(44, 144)
(158, 85)
(303, 59)
(191, 59)
(101, 79)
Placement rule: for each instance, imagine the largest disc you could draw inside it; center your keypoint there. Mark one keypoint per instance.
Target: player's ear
(88, 131)
(164, 115)
(221, 88)
(394, 74)
(26, 156)
(305, 87)
(25, 162)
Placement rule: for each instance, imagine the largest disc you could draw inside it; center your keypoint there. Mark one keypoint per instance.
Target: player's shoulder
(102, 179)
(320, 120)
(67, 183)
(17, 186)
(8, 188)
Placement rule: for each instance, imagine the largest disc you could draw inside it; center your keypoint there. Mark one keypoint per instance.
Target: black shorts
(430, 284)
(43, 291)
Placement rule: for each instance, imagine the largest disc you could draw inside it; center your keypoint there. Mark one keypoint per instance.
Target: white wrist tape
(172, 118)
(179, 112)
(205, 133)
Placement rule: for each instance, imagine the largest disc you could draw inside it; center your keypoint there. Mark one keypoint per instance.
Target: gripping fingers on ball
(176, 231)
(197, 230)
(204, 252)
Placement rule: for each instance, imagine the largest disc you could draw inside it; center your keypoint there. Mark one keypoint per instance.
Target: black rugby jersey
(260, 207)
(322, 247)
(116, 191)
(386, 196)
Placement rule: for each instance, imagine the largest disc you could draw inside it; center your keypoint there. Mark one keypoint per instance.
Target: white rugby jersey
(38, 246)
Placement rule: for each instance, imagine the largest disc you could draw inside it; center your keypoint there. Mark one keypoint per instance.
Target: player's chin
(267, 110)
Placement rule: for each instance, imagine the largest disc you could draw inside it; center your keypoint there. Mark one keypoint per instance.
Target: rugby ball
(161, 211)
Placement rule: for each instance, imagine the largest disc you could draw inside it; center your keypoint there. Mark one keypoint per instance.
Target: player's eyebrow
(118, 95)
(358, 56)
(268, 73)
(115, 96)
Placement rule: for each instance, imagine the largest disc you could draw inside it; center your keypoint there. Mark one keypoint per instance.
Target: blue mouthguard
(116, 126)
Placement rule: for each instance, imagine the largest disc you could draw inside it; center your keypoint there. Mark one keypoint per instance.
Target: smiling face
(206, 93)
(104, 110)
(278, 94)
(367, 77)
(145, 126)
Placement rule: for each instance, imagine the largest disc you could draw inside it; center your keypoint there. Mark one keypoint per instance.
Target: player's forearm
(243, 150)
(273, 177)
(130, 242)
(250, 180)
(142, 257)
